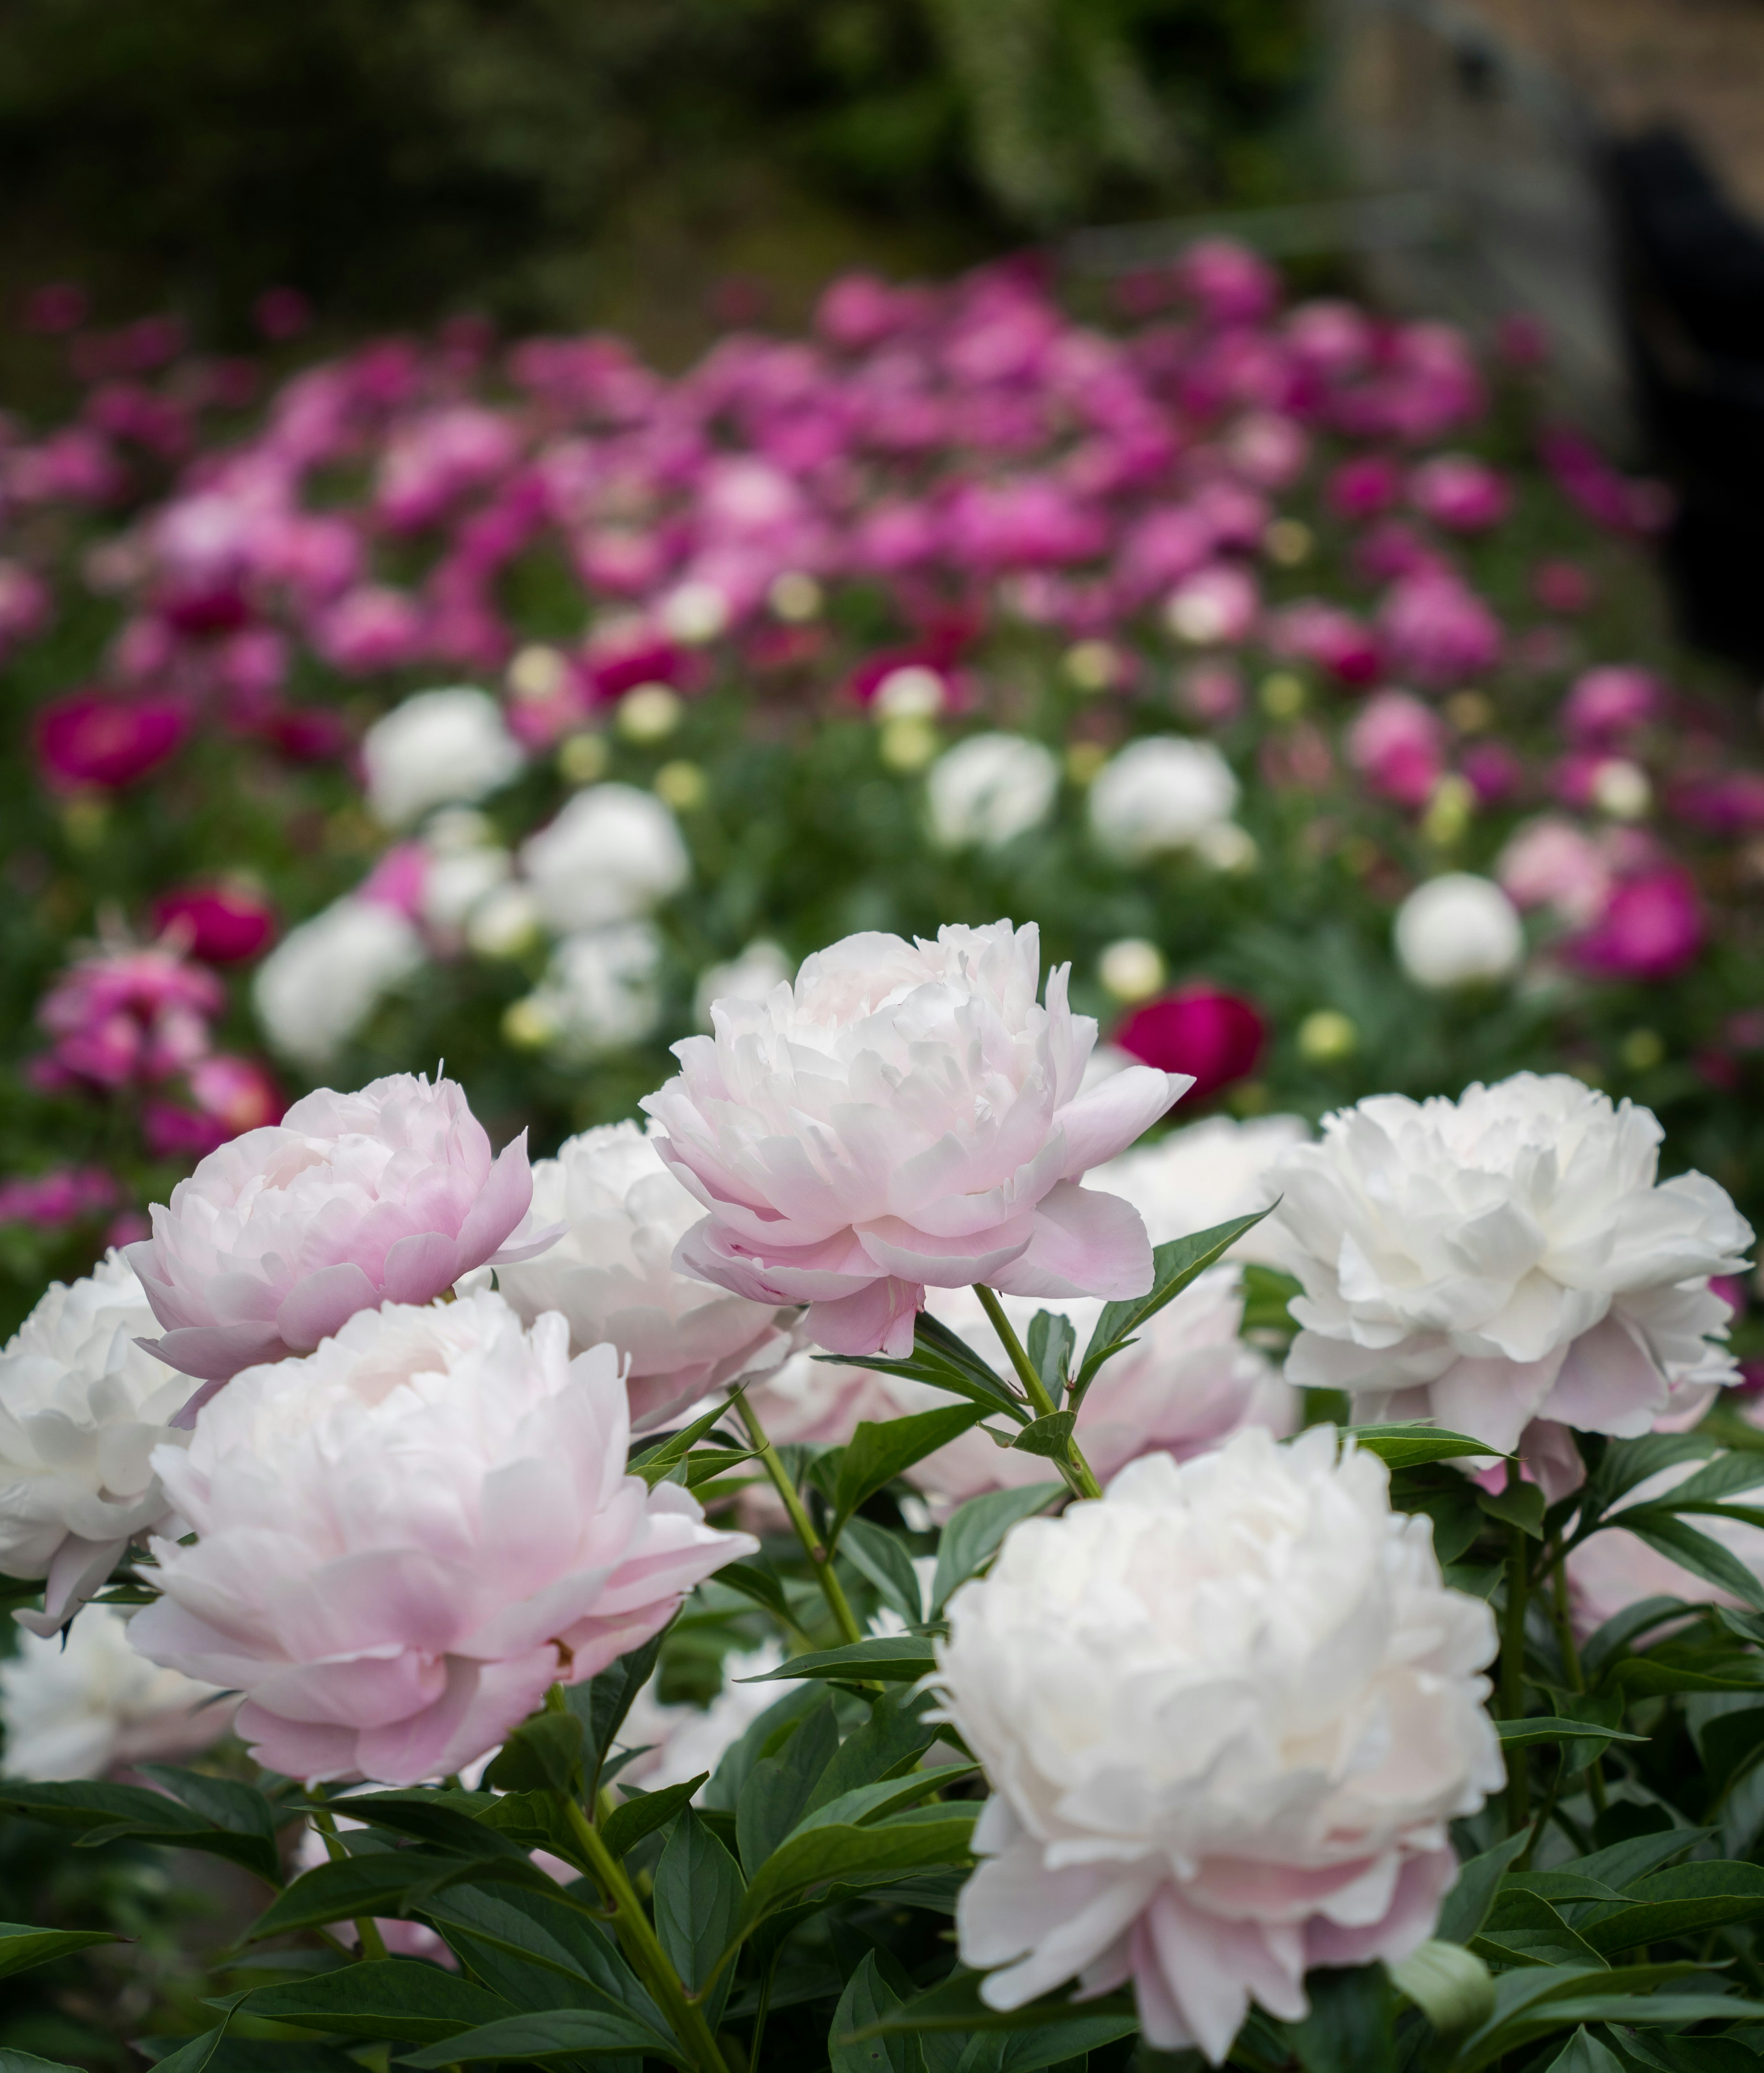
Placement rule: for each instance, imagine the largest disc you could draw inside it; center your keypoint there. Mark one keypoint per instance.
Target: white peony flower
(457, 882)
(752, 976)
(1164, 792)
(81, 1710)
(682, 1740)
(1227, 1712)
(320, 983)
(1458, 929)
(989, 789)
(82, 1407)
(601, 989)
(613, 853)
(1505, 1257)
(612, 1276)
(435, 750)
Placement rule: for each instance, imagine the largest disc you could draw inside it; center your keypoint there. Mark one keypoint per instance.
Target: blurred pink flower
(1331, 638)
(1216, 1037)
(1551, 862)
(1364, 486)
(1615, 699)
(91, 738)
(369, 628)
(1651, 929)
(1232, 284)
(1398, 745)
(1460, 493)
(26, 606)
(389, 1195)
(222, 924)
(1438, 631)
(1727, 804)
(125, 1015)
(1563, 586)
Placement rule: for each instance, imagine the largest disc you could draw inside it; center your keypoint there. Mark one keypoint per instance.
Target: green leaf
(107, 1813)
(1047, 1437)
(898, 1658)
(889, 1743)
(1584, 2054)
(699, 1892)
(975, 1529)
(1522, 1928)
(12, 2061)
(877, 1453)
(656, 1464)
(1555, 1728)
(460, 1822)
(198, 2053)
(1447, 1497)
(1626, 1463)
(1682, 1902)
(629, 1822)
(21, 1947)
(1466, 1906)
(227, 1803)
(1173, 1267)
(1268, 1294)
(869, 1998)
(543, 1754)
(1519, 1504)
(1408, 1446)
(776, 1795)
(544, 1936)
(882, 1557)
(1348, 2030)
(758, 1580)
(1620, 1864)
(384, 1882)
(1613, 1638)
(815, 1855)
(942, 1358)
(760, 1738)
(257, 2054)
(1449, 1985)
(399, 1998)
(1669, 1535)
(955, 2004)
(602, 1704)
(1052, 1338)
(557, 2033)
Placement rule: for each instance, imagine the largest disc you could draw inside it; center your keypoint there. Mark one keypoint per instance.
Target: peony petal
(878, 1319)
(80, 1568)
(504, 1200)
(418, 1267)
(1085, 1244)
(1102, 1123)
(319, 1305)
(216, 1353)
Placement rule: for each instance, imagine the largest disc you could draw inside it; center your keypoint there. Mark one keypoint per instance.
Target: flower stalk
(820, 1557)
(1069, 1461)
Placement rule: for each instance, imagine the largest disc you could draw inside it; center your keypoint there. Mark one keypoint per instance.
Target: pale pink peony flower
(1227, 1712)
(905, 1114)
(1398, 744)
(389, 1195)
(1551, 862)
(406, 1537)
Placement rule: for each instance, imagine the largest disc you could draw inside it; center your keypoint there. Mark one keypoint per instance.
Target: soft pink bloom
(905, 1114)
(26, 605)
(1606, 703)
(1728, 805)
(389, 1195)
(1438, 631)
(1329, 338)
(1364, 487)
(1269, 449)
(369, 628)
(126, 1015)
(1551, 862)
(89, 738)
(1398, 744)
(62, 1196)
(1216, 607)
(858, 311)
(1232, 284)
(1460, 493)
(1334, 639)
(398, 879)
(222, 924)
(1651, 929)
(428, 463)
(403, 1539)
(1496, 773)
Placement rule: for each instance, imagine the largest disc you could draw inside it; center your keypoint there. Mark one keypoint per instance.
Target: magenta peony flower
(1460, 493)
(389, 1195)
(1317, 632)
(1232, 284)
(126, 1015)
(1216, 1037)
(225, 924)
(905, 1114)
(1652, 927)
(1398, 744)
(1364, 487)
(90, 739)
(406, 1537)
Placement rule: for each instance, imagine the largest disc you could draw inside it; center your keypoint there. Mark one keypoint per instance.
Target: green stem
(1519, 1797)
(366, 1929)
(819, 1559)
(683, 2013)
(1071, 1464)
(1571, 1665)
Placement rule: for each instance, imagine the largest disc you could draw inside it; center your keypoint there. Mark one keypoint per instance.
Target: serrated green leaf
(898, 1658)
(975, 1529)
(398, 1998)
(21, 1946)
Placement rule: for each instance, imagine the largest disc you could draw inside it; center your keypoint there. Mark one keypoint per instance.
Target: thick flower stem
(820, 1560)
(1571, 1663)
(1519, 1796)
(684, 2015)
(1071, 1463)
(366, 1929)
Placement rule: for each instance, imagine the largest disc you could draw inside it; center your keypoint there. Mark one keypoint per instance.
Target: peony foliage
(1290, 1739)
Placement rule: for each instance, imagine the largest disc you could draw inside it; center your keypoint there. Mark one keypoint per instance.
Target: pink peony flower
(1437, 631)
(1334, 639)
(1232, 284)
(1216, 1037)
(1729, 804)
(369, 629)
(1398, 744)
(1216, 607)
(1605, 704)
(403, 1539)
(1460, 493)
(905, 1114)
(1496, 773)
(225, 924)
(1365, 487)
(89, 738)
(26, 606)
(1651, 929)
(389, 1195)
(1550, 862)
(127, 1015)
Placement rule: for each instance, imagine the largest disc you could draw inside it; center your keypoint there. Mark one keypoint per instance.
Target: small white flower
(504, 922)
(457, 883)
(601, 991)
(612, 855)
(80, 1711)
(1457, 930)
(320, 983)
(989, 789)
(1164, 792)
(82, 1407)
(752, 976)
(435, 749)
(612, 1275)
(1504, 1258)
(1227, 1712)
